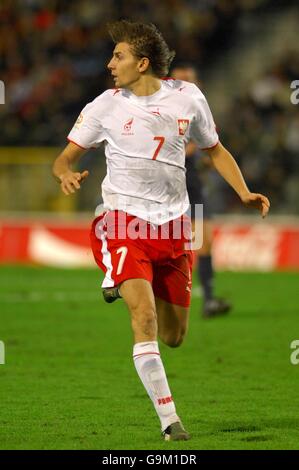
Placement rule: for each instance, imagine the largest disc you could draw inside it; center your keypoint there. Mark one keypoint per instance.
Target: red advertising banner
(262, 247)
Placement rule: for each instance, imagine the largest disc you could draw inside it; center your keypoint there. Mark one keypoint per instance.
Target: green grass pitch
(69, 380)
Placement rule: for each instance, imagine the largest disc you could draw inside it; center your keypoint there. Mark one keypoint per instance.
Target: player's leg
(172, 288)
(204, 258)
(172, 322)
(212, 306)
(139, 297)
(129, 269)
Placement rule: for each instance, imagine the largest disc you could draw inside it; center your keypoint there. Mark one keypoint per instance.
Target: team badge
(127, 129)
(128, 125)
(183, 126)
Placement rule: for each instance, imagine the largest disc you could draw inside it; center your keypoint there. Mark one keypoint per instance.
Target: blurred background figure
(212, 305)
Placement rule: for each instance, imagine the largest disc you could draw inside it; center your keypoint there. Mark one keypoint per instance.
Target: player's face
(124, 66)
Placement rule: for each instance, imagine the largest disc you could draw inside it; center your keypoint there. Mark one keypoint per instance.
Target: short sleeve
(203, 128)
(88, 131)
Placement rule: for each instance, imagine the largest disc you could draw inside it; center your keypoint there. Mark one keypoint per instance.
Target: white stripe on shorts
(108, 281)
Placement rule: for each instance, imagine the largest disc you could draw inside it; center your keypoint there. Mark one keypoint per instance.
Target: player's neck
(146, 86)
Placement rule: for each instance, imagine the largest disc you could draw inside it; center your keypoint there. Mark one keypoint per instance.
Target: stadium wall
(237, 246)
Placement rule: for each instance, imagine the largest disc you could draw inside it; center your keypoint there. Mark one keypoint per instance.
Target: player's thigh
(137, 294)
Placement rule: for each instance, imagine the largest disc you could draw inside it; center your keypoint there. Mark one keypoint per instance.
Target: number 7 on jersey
(161, 142)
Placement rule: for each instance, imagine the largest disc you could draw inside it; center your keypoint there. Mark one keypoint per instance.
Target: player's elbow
(216, 151)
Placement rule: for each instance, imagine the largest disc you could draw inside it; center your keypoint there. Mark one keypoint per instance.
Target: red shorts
(127, 247)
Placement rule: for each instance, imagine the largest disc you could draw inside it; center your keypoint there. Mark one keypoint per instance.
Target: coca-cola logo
(234, 247)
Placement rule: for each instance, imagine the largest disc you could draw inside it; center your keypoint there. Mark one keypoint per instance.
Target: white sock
(151, 371)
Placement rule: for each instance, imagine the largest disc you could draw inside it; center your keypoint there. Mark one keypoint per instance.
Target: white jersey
(145, 138)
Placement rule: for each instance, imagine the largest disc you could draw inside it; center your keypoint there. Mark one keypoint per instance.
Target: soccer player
(145, 123)
(212, 306)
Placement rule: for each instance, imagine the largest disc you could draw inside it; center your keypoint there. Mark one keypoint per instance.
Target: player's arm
(62, 168)
(226, 165)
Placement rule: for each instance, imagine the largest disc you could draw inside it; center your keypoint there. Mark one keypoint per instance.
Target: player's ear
(143, 64)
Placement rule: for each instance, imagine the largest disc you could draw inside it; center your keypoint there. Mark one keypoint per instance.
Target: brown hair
(145, 41)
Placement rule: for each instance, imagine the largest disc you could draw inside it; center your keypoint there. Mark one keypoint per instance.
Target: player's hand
(257, 201)
(70, 181)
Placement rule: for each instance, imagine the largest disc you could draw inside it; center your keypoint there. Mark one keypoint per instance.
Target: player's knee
(173, 340)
